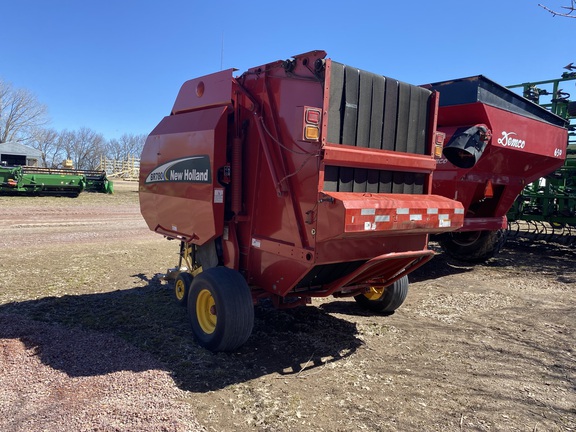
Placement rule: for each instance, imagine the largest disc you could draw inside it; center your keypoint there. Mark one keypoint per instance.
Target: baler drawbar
(297, 179)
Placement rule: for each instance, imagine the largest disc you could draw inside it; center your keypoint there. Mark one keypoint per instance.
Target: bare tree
(50, 143)
(570, 10)
(83, 147)
(128, 145)
(20, 113)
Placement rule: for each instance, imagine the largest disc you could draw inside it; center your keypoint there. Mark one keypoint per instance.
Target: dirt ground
(91, 339)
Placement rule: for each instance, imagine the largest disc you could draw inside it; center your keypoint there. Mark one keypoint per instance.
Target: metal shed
(13, 153)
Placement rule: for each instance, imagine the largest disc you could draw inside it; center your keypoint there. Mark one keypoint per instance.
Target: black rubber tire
(473, 246)
(182, 288)
(234, 309)
(391, 299)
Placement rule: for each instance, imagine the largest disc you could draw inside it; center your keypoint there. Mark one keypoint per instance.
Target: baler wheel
(221, 309)
(182, 288)
(385, 300)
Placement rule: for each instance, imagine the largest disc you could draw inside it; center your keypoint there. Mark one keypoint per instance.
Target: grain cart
(297, 179)
(497, 142)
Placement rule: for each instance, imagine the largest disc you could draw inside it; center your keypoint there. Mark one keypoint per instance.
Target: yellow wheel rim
(206, 312)
(374, 293)
(180, 289)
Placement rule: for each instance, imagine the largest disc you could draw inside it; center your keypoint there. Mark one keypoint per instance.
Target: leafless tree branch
(571, 9)
(128, 145)
(20, 113)
(83, 147)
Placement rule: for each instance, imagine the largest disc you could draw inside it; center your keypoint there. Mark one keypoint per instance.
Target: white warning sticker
(218, 196)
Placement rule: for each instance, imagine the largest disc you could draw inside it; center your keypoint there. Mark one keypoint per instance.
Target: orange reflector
(489, 190)
(438, 151)
(312, 133)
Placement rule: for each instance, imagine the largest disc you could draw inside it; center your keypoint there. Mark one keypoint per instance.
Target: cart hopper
(496, 143)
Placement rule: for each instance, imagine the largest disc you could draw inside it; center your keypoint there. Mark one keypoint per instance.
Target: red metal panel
(178, 208)
(367, 247)
(206, 91)
(343, 214)
(521, 150)
(275, 273)
(343, 155)
(277, 160)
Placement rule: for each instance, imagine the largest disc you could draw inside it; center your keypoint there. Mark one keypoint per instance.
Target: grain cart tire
(473, 246)
(220, 309)
(385, 300)
(182, 288)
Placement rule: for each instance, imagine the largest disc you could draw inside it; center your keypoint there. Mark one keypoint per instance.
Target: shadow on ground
(86, 335)
(143, 328)
(519, 253)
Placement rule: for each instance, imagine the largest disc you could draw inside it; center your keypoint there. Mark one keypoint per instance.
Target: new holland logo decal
(193, 169)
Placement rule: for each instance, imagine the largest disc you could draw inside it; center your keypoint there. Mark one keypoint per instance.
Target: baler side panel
(282, 218)
(180, 195)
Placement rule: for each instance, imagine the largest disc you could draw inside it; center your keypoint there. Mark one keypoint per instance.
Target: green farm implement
(546, 208)
(25, 180)
(95, 180)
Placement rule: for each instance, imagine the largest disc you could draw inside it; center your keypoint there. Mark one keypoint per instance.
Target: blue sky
(116, 66)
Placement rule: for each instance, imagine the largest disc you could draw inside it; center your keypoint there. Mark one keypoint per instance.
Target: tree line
(24, 119)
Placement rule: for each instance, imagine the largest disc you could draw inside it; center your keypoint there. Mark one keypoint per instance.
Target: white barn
(13, 153)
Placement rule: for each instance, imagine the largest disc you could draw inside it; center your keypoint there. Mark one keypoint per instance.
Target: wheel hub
(179, 289)
(206, 312)
(374, 293)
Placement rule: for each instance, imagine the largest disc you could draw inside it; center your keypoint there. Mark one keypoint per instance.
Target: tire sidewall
(391, 299)
(204, 282)
(486, 246)
(234, 308)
